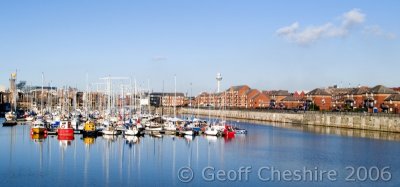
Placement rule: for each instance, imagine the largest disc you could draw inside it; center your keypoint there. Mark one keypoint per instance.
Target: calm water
(153, 161)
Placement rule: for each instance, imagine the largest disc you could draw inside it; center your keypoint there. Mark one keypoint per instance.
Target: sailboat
(131, 131)
(211, 131)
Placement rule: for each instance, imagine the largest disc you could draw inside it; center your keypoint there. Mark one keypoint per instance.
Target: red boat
(229, 132)
(65, 130)
(65, 138)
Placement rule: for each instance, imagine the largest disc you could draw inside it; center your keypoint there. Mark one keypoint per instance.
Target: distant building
(294, 101)
(393, 103)
(375, 97)
(276, 96)
(156, 99)
(320, 97)
(236, 96)
(169, 99)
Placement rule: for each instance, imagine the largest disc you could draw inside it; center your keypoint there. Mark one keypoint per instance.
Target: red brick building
(245, 98)
(294, 101)
(276, 96)
(393, 103)
(169, 99)
(259, 100)
(376, 96)
(235, 96)
(320, 97)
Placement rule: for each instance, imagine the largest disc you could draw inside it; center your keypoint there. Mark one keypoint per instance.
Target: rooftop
(380, 89)
(319, 91)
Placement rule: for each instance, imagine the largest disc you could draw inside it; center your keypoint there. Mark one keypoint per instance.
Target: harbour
(199, 93)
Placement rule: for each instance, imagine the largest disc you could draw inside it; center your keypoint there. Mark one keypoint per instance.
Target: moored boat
(10, 116)
(29, 118)
(131, 131)
(186, 131)
(240, 131)
(38, 127)
(228, 132)
(10, 119)
(109, 131)
(89, 128)
(211, 131)
(65, 129)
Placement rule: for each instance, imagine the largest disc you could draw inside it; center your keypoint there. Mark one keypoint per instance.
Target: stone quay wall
(364, 121)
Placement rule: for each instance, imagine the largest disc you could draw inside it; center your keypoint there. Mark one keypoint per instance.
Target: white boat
(109, 131)
(186, 131)
(169, 126)
(132, 131)
(151, 126)
(11, 116)
(211, 131)
(159, 128)
(120, 126)
(29, 118)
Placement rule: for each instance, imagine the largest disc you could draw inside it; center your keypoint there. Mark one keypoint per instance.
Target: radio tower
(219, 79)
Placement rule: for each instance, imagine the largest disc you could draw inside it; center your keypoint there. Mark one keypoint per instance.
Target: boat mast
(148, 94)
(175, 97)
(41, 98)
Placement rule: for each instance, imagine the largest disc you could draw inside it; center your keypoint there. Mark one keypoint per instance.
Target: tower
(219, 79)
(13, 91)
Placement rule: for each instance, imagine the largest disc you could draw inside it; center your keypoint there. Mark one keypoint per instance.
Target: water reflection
(329, 130)
(154, 159)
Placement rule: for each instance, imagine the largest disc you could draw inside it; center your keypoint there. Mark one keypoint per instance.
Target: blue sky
(153, 40)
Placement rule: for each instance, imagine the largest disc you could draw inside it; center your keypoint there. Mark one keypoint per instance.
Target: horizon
(312, 45)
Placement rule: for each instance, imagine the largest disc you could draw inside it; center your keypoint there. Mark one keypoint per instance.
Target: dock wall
(364, 121)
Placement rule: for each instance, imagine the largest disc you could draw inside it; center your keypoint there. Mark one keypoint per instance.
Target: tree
(21, 85)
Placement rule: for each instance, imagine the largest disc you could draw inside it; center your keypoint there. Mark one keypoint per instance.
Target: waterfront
(155, 161)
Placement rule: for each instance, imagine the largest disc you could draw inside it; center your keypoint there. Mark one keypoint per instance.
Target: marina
(199, 93)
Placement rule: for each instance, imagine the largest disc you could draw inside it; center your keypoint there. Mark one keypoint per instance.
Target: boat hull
(108, 132)
(9, 123)
(188, 132)
(38, 131)
(89, 133)
(65, 132)
(131, 132)
(154, 129)
(65, 137)
(211, 133)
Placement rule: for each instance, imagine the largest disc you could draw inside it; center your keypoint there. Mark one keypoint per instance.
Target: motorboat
(29, 118)
(212, 131)
(169, 126)
(152, 126)
(109, 131)
(11, 116)
(229, 132)
(38, 127)
(89, 129)
(240, 131)
(65, 130)
(186, 131)
(131, 131)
